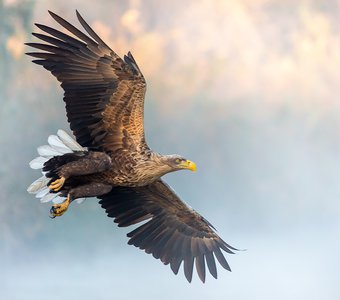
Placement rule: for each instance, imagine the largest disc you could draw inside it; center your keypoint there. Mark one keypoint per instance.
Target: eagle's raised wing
(173, 233)
(104, 94)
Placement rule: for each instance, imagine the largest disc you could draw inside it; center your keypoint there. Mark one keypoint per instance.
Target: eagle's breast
(135, 169)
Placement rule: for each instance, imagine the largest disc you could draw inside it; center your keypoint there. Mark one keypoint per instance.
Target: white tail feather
(58, 145)
(69, 142)
(48, 197)
(37, 185)
(45, 190)
(38, 162)
(48, 151)
(59, 199)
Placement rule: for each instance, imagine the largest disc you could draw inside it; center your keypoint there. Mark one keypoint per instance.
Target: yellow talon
(58, 210)
(57, 184)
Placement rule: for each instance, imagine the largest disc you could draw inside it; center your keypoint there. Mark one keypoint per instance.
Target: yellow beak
(188, 164)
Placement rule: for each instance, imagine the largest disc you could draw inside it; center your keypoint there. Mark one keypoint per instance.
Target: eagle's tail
(59, 145)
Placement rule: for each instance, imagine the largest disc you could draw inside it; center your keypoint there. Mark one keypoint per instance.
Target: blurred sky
(249, 90)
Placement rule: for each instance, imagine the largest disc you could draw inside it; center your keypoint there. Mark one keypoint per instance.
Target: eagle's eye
(177, 160)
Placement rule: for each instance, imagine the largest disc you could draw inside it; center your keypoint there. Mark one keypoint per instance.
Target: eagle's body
(111, 160)
(121, 170)
(135, 172)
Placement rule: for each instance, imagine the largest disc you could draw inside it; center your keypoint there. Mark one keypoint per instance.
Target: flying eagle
(110, 158)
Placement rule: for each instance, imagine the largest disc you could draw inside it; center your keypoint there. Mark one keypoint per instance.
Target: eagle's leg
(87, 190)
(93, 162)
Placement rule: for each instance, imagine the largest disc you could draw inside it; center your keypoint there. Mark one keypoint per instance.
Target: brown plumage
(104, 98)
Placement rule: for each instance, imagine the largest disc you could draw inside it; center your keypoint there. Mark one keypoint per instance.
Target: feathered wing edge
(173, 232)
(58, 145)
(99, 86)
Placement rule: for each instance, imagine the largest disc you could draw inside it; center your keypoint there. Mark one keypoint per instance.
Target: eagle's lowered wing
(173, 233)
(104, 94)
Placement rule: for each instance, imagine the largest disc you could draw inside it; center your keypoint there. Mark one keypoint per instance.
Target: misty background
(247, 89)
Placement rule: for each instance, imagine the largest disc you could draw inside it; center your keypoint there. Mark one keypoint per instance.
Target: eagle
(110, 158)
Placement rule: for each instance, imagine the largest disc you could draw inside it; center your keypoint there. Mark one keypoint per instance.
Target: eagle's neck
(160, 164)
(154, 167)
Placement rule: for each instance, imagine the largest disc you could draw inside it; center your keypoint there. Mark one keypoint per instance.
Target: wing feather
(173, 232)
(175, 264)
(104, 94)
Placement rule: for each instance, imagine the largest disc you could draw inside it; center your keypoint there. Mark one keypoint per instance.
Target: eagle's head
(177, 162)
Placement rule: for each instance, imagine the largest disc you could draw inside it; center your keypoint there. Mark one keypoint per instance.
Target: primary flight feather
(110, 158)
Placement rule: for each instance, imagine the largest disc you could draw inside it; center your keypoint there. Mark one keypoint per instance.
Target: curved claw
(58, 210)
(57, 184)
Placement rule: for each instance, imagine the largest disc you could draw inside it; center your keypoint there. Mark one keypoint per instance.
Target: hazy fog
(249, 90)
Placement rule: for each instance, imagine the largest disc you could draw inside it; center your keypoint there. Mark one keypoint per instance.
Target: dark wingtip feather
(52, 14)
(188, 267)
(40, 62)
(78, 14)
(45, 28)
(211, 264)
(175, 264)
(36, 34)
(79, 17)
(89, 30)
(200, 267)
(226, 247)
(39, 25)
(221, 259)
(33, 54)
